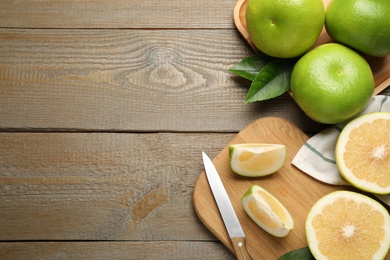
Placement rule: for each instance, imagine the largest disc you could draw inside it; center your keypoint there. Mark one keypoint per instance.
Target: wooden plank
(99, 186)
(129, 80)
(115, 250)
(117, 14)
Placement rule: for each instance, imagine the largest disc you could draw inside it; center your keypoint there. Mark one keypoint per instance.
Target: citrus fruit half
(256, 159)
(267, 212)
(284, 28)
(347, 225)
(332, 83)
(363, 152)
(361, 24)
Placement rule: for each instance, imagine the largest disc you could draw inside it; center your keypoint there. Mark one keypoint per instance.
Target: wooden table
(105, 107)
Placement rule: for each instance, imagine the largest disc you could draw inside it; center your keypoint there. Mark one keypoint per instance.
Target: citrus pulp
(347, 225)
(363, 152)
(267, 212)
(253, 160)
(332, 83)
(283, 28)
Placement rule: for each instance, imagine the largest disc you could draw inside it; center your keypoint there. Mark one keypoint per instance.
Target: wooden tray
(379, 66)
(296, 190)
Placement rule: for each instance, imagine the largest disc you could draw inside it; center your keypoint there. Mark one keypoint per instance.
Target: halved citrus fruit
(267, 212)
(363, 152)
(347, 225)
(255, 159)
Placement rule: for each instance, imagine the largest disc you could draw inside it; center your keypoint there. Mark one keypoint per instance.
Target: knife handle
(240, 248)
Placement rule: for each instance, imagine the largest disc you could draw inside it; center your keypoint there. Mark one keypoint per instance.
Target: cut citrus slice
(347, 225)
(363, 152)
(267, 212)
(253, 160)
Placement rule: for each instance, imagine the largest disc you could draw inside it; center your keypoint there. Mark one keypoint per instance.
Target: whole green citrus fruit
(332, 83)
(361, 24)
(284, 28)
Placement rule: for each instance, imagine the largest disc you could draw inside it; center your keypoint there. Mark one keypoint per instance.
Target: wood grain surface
(136, 80)
(124, 14)
(103, 250)
(294, 189)
(133, 191)
(99, 186)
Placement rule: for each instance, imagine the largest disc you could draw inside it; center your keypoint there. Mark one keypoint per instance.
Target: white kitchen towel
(316, 157)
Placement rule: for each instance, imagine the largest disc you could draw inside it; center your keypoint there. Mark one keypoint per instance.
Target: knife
(229, 217)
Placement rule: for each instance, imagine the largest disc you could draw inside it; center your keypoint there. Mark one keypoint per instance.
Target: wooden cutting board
(380, 66)
(293, 188)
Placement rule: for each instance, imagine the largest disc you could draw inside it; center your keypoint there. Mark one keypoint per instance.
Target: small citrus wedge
(347, 225)
(267, 212)
(363, 152)
(255, 159)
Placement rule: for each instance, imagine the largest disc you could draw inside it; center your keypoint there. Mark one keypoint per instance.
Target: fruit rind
(340, 149)
(362, 25)
(317, 208)
(293, 26)
(253, 196)
(258, 149)
(332, 83)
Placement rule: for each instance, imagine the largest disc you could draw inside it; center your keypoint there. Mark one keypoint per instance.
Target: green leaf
(299, 254)
(272, 81)
(249, 67)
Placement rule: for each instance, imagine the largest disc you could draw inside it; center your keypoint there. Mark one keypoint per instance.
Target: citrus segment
(267, 212)
(363, 152)
(347, 225)
(255, 159)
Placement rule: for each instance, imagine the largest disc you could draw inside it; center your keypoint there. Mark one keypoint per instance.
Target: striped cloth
(316, 157)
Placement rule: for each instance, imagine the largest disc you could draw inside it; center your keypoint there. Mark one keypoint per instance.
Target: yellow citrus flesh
(363, 152)
(347, 226)
(267, 212)
(253, 160)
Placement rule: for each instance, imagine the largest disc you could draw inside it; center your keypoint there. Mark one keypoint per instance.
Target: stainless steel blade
(225, 207)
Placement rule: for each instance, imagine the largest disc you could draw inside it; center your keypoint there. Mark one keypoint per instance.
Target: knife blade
(229, 217)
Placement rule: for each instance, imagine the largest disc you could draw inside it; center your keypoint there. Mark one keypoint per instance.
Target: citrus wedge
(267, 212)
(255, 159)
(363, 152)
(347, 225)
